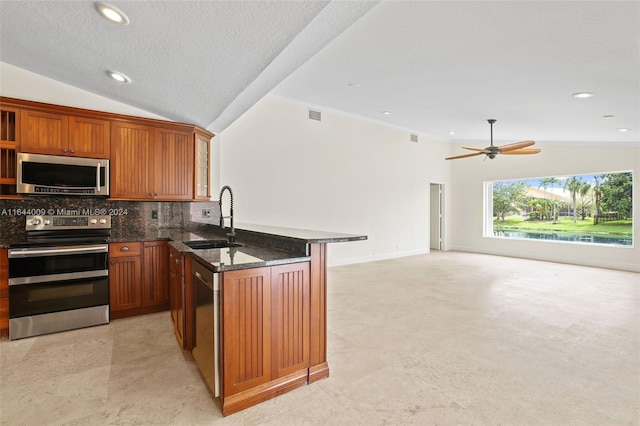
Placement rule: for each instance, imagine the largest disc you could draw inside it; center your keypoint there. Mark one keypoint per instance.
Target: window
(583, 209)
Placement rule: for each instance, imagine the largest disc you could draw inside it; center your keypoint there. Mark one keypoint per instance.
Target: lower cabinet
(138, 278)
(4, 292)
(265, 333)
(177, 296)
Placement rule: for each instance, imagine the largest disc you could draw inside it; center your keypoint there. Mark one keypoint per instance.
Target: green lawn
(565, 224)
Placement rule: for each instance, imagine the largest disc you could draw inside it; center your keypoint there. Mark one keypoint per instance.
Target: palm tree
(573, 185)
(544, 182)
(553, 181)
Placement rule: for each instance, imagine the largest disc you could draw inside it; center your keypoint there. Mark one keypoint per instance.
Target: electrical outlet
(206, 212)
(154, 214)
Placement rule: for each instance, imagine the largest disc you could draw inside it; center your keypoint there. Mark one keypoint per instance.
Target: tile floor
(440, 339)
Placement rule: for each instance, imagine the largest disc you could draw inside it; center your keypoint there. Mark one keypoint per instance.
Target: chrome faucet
(232, 234)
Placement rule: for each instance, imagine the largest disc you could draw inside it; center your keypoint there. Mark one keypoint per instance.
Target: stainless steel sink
(210, 244)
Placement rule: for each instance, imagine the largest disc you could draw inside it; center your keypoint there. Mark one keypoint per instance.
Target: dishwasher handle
(206, 276)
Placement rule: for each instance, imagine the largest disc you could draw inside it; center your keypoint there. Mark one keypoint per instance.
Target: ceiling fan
(491, 151)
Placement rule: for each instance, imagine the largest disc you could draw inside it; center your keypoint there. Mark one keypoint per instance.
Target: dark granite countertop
(260, 245)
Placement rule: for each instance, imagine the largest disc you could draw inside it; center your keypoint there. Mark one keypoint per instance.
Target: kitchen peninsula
(264, 306)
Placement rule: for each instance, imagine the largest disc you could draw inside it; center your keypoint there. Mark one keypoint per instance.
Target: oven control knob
(103, 221)
(47, 222)
(93, 221)
(35, 221)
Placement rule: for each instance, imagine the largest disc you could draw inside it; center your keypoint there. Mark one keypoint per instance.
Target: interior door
(436, 215)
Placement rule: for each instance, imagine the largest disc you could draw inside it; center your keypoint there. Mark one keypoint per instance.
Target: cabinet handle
(112, 263)
(173, 275)
(177, 261)
(72, 151)
(64, 150)
(124, 248)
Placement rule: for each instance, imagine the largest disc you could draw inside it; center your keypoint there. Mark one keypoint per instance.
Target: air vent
(414, 138)
(315, 115)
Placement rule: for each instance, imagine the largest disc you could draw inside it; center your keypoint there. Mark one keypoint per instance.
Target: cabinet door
(155, 284)
(246, 329)
(9, 145)
(173, 163)
(44, 133)
(131, 156)
(201, 168)
(125, 275)
(176, 294)
(290, 318)
(89, 137)
(4, 293)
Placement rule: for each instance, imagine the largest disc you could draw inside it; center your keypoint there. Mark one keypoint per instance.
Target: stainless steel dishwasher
(206, 349)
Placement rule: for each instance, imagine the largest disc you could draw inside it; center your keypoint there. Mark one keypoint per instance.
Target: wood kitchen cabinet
(202, 171)
(155, 271)
(138, 278)
(125, 277)
(62, 134)
(9, 146)
(151, 163)
(177, 296)
(265, 333)
(173, 164)
(4, 292)
(150, 159)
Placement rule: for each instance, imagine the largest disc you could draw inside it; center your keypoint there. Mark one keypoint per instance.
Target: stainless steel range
(59, 277)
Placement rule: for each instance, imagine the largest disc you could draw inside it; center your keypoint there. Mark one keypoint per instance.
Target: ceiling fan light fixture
(111, 13)
(517, 148)
(582, 95)
(119, 77)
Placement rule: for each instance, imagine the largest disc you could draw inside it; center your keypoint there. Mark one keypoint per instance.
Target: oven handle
(29, 252)
(58, 277)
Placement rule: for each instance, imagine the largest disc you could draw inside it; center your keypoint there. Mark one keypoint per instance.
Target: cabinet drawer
(125, 249)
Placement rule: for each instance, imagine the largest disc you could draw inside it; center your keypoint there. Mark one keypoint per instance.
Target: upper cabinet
(151, 163)
(149, 159)
(61, 134)
(9, 145)
(202, 177)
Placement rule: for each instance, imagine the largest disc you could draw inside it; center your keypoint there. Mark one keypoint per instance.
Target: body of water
(616, 240)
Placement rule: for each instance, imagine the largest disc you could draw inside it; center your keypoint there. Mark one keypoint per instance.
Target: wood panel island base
(272, 314)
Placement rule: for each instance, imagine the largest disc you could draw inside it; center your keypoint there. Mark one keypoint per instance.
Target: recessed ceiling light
(111, 13)
(452, 132)
(624, 129)
(119, 77)
(386, 112)
(354, 84)
(608, 116)
(582, 95)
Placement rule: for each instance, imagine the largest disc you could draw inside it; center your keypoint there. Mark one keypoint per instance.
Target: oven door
(46, 264)
(57, 295)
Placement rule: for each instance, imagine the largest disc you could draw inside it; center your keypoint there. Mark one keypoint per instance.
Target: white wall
(554, 160)
(341, 174)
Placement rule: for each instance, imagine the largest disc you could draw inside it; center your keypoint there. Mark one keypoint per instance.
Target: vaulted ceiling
(435, 67)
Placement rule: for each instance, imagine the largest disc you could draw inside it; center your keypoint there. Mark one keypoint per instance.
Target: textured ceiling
(437, 66)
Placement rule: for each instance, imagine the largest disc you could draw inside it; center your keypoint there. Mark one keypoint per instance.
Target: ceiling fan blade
(522, 151)
(477, 149)
(517, 145)
(464, 156)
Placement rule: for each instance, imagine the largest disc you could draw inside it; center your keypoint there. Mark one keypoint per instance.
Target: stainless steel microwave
(56, 175)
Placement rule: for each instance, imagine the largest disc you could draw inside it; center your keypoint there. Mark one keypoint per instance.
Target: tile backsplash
(140, 215)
